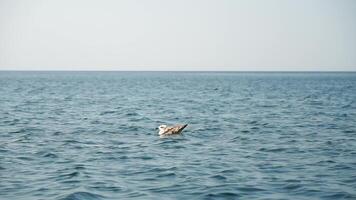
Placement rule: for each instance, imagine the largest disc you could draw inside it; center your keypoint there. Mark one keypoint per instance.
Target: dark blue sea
(91, 135)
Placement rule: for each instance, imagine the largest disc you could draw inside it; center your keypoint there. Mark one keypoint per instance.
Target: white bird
(171, 130)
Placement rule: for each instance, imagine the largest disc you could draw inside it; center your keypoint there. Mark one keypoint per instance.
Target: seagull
(171, 130)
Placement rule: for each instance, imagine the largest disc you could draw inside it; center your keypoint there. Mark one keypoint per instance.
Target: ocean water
(91, 135)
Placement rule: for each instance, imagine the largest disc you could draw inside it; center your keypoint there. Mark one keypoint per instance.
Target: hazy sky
(178, 34)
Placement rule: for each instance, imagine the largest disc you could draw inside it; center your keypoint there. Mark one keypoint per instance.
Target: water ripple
(82, 196)
(91, 135)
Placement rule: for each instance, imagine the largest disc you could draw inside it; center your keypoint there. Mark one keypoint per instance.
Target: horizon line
(236, 71)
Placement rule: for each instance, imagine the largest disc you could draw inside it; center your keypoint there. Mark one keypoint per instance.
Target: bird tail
(183, 127)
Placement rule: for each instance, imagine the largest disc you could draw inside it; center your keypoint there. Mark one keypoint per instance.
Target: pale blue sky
(241, 35)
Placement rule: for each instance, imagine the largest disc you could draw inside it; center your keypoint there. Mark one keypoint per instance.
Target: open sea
(92, 135)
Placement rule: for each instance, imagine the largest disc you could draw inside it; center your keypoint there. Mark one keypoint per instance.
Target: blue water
(91, 135)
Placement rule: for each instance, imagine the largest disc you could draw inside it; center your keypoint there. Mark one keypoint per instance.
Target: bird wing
(174, 129)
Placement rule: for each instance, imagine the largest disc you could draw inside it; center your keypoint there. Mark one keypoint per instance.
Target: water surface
(91, 135)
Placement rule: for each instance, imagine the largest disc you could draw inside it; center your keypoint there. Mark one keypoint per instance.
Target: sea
(250, 135)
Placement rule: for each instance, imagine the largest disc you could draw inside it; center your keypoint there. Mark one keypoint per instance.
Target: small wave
(168, 140)
(82, 196)
(25, 158)
(145, 157)
(224, 195)
(68, 98)
(272, 149)
(131, 114)
(339, 195)
(57, 133)
(21, 130)
(218, 177)
(349, 105)
(13, 122)
(250, 189)
(50, 155)
(79, 167)
(348, 131)
(292, 186)
(253, 122)
(123, 157)
(162, 169)
(107, 188)
(69, 175)
(3, 150)
(107, 112)
(167, 175)
(267, 106)
(70, 141)
(228, 171)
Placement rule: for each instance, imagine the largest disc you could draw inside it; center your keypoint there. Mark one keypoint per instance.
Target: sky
(165, 35)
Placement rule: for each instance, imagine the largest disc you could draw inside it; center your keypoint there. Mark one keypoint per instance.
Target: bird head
(161, 128)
